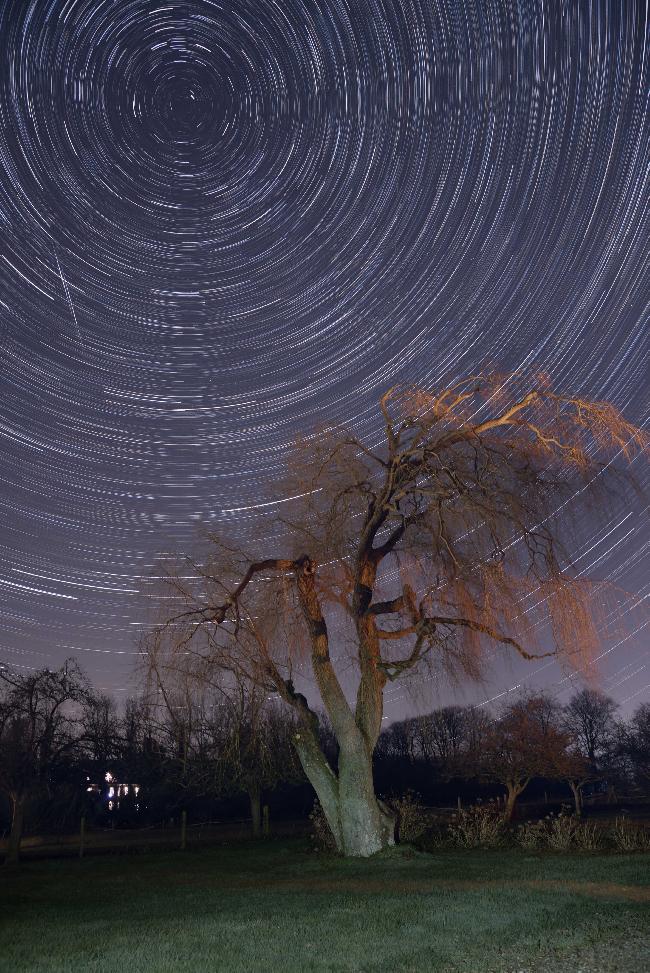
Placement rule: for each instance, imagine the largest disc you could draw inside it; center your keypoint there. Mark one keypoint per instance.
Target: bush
(480, 826)
(412, 816)
(531, 835)
(589, 837)
(627, 836)
(320, 829)
(556, 831)
(562, 832)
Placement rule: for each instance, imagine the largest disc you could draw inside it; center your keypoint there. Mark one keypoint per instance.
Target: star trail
(222, 223)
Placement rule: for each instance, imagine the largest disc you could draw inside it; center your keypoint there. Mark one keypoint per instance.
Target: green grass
(278, 906)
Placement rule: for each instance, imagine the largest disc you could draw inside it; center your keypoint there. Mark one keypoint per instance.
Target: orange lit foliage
(424, 549)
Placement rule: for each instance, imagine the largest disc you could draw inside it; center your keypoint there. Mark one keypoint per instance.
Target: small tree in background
(99, 727)
(523, 743)
(570, 766)
(451, 736)
(39, 729)
(444, 537)
(256, 751)
(636, 742)
(401, 741)
(445, 735)
(589, 717)
(228, 737)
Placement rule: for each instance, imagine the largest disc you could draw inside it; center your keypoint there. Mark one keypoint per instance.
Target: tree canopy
(446, 536)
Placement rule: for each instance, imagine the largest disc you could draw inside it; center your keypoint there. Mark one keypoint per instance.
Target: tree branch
(487, 630)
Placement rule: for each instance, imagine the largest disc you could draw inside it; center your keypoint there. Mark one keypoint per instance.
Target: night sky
(224, 222)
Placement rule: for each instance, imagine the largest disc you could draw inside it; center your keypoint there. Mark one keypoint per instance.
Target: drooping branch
(393, 669)
(492, 633)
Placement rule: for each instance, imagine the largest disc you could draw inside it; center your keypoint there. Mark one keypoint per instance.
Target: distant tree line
(533, 738)
(66, 750)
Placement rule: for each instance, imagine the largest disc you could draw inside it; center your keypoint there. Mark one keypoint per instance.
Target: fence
(173, 833)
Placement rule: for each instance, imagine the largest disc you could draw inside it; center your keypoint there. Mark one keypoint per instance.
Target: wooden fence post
(265, 821)
(82, 835)
(183, 830)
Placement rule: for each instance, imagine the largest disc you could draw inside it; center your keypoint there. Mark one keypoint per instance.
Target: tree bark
(16, 833)
(367, 826)
(360, 824)
(322, 778)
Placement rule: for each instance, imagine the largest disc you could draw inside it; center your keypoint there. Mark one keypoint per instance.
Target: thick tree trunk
(360, 824)
(16, 833)
(255, 798)
(366, 826)
(320, 775)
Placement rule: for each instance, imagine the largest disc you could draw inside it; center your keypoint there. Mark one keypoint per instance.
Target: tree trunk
(16, 833)
(366, 825)
(360, 824)
(576, 790)
(255, 798)
(513, 793)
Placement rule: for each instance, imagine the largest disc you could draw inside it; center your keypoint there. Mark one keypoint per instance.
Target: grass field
(279, 906)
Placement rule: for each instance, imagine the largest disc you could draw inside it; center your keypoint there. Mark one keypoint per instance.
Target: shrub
(627, 836)
(589, 837)
(480, 826)
(558, 832)
(320, 829)
(561, 832)
(413, 818)
(532, 834)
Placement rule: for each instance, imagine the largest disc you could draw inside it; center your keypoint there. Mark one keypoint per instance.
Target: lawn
(279, 906)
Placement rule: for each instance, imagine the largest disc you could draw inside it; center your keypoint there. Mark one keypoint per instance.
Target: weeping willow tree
(431, 547)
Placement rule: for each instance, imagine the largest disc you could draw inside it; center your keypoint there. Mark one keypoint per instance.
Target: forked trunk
(16, 833)
(513, 792)
(360, 824)
(576, 790)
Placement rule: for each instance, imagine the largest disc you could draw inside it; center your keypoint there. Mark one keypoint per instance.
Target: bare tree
(636, 743)
(423, 549)
(227, 735)
(38, 727)
(251, 745)
(589, 716)
(572, 767)
(401, 741)
(99, 727)
(446, 735)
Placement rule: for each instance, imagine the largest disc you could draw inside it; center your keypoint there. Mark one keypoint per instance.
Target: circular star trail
(225, 222)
